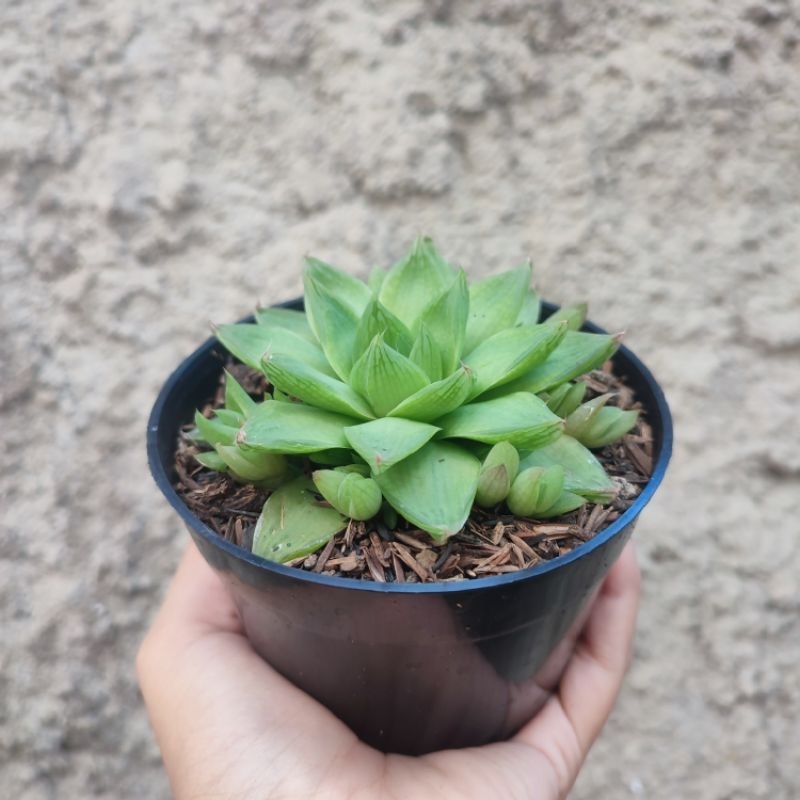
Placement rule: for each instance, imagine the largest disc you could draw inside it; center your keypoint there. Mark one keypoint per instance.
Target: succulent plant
(414, 394)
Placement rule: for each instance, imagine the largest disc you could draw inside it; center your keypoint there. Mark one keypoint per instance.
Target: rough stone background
(166, 163)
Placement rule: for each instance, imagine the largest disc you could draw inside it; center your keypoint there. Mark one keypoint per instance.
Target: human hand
(229, 726)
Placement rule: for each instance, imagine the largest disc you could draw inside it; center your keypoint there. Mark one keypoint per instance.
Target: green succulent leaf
(535, 490)
(359, 469)
(409, 286)
(211, 460)
(229, 417)
(288, 319)
(568, 501)
(384, 442)
(293, 524)
(425, 354)
(583, 473)
(349, 493)
(276, 427)
(379, 320)
(580, 420)
(577, 354)
(520, 418)
(512, 352)
(236, 398)
(610, 425)
(335, 457)
(437, 399)
(446, 319)
(214, 431)
(594, 424)
(434, 488)
(389, 516)
(564, 399)
(375, 279)
(250, 342)
(334, 303)
(574, 316)
(385, 377)
(493, 486)
(266, 469)
(495, 304)
(315, 388)
(531, 309)
(497, 473)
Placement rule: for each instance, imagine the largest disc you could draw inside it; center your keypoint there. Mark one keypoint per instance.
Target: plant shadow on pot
(411, 668)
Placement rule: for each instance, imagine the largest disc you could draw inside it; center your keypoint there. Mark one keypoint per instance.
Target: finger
(567, 726)
(621, 590)
(198, 618)
(203, 684)
(195, 608)
(197, 602)
(591, 684)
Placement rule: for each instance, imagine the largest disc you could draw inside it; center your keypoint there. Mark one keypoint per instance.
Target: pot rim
(164, 483)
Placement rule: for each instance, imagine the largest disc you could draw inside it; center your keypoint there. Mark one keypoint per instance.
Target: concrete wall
(166, 163)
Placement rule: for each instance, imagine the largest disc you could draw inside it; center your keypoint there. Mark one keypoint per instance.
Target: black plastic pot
(411, 668)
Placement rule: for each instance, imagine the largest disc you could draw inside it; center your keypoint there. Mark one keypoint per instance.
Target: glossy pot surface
(411, 668)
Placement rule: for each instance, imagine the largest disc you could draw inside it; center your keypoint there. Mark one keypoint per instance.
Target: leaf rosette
(415, 394)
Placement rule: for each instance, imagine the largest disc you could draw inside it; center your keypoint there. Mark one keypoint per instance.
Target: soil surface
(163, 164)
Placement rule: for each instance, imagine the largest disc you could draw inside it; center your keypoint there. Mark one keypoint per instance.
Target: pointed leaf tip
(495, 304)
(387, 441)
(385, 377)
(520, 418)
(434, 488)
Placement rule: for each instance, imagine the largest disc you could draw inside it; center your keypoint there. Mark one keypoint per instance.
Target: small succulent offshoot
(415, 394)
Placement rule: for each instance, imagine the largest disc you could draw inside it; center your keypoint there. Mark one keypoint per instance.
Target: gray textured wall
(167, 163)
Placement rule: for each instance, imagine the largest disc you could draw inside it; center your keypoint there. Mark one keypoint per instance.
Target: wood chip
(598, 520)
(379, 548)
(543, 531)
(346, 563)
(399, 575)
(443, 556)
(639, 457)
(450, 565)
(324, 556)
(411, 562)
(497, 533)
(499, 569)
(374, 566)
(526, 549)
(479, 552)
(349, 534)
(646, 433)
(497, 559)
(426, 559)
(185, 479)
(595, 386)
(411, 541)
(310, 561)
(593, 519)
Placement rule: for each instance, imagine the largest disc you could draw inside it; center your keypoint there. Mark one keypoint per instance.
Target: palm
(228, 723)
